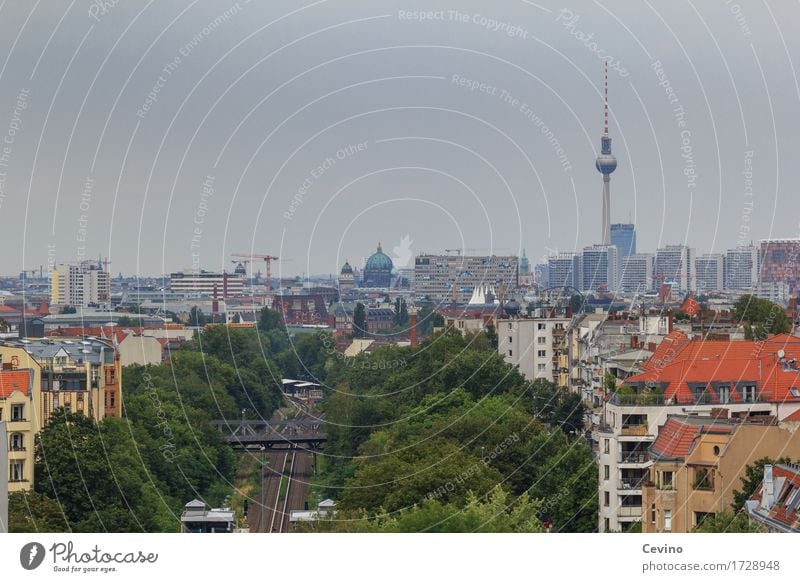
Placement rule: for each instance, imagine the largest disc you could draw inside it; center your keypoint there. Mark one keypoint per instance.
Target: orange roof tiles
(682, 361)
(676, 437)
(14, 381)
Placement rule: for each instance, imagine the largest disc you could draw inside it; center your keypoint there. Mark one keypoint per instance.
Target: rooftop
(14, 381)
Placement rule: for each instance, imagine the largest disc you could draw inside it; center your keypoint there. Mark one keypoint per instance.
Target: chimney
(768, 491)
(634, 342)
(669, 322)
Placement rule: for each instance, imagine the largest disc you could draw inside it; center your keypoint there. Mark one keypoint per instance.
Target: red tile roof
(780, 511)
(676, 437)
(14, 381)
(793, 417)
(679, 361)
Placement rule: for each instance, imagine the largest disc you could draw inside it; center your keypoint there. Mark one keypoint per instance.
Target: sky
(168, 135)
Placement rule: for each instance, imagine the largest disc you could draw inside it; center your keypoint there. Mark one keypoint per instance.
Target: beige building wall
(724, 458)
(141, 350)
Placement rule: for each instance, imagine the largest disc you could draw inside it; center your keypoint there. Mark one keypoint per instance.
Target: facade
(775, 505)
(207, 283)
(779, 262)
(81, 284)
(198, 518)
(687, 377)
(80, 375)
(347, 279)
(436, 275)
(600, 268)
(675, 264)
(378, 270)
(775, 291)
(710, 272)
(698, 462)
(623, 236)
(18, 397)
(636, 273)
(301, 309)
(565, 270)
(141, 350)
(538, 346)
(741, 268)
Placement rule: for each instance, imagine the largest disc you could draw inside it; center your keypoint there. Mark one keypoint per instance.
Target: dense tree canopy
(761, 317)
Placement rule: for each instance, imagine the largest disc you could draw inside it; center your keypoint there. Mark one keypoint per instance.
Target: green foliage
(400, 312)
(197, 317)
(610, 383)
(360, 321)
(761, 317)
(427, 319)
(271, 320)
(728, 522)
(491, 335)
(31, 512)
(497, 512)
(577, 303)
(68, 309)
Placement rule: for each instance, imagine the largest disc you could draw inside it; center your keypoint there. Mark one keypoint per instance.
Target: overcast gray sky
(167, 135)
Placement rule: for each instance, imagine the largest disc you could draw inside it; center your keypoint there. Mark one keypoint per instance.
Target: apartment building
(698, 463)
(436, 275)
(538, 346)
(775, 505)
(741, 268)
(689, 377)
(636, 273)
(710, 272)
(18, 397)
(80, 375)
(81, 284)
(675, 264)
(564, 270)
(600, 268)
(207, 283)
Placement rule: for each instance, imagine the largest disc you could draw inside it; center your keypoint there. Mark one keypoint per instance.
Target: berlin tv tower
(606, 163)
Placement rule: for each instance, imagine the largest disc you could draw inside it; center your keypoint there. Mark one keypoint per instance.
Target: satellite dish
(781, 353)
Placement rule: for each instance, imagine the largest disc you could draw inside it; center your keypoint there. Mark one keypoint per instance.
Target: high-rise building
(207, 283)
(537, 346)
(605, 164)
(780, 262)
(675, 264)
(81, 284)
(741, 268)
(564, 270)
(600, 268)
(435, 275)
(636, 273)
(709, 272)
(623, 236)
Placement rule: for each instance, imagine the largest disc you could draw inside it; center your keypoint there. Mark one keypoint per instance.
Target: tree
(491, 335)
(577, 303)
(400, 312)
(760, 317)
(68, 309)
(727, 522)
(271, 320)
(196, 316)
(31, 512)
(360, 321)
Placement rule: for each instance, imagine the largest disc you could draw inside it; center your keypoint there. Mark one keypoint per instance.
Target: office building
(81, 284)
(600, 268)
(623, 236)
(741, 268)
(436, 275)
(207, 283)
(710, 272)
(564, 270)
(636, 273)
(675, 265)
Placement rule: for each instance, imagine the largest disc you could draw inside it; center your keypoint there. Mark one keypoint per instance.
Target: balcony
(634, 458)
(631, 483)
(634, 430)
(629, 511)
(659, 400)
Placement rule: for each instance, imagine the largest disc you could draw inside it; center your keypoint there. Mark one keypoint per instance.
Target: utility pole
(3, 479)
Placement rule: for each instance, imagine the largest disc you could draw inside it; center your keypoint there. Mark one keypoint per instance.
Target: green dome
(379, 261)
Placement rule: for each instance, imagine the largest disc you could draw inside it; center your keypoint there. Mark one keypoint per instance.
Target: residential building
(741, 268)
(81, 284)
(436, 275)
(82, 376)
(18, 396)
(198, 518)
(775, 505)
(564, 270)
(690, 377)
(538, 346)
(207, 283)
(710, 272)
(636, 273)
(600, 268)
(623, 236)
(779, 262)
(698, 462)
(675, 264)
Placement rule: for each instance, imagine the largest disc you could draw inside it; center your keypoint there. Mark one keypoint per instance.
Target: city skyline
(196, 152)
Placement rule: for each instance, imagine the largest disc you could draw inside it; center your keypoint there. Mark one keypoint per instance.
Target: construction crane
(267, 262)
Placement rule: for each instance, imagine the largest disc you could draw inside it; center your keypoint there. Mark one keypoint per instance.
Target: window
(749, 393)
(541, 367)
(653, 513)
(703, 479)
(667, 520)
(541, 326)
(542, 353)
(510, 339)
(606, 472)
(606, 498)
(17, 412)
(666, 480)
(541, 339)
(15, 472)
(701, 516)
(17, 442)
(510, 353)
(607, 525)
(606, 445)
(724, 394)
(716, 450)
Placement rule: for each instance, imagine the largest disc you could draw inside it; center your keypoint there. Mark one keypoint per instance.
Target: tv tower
(606, 163)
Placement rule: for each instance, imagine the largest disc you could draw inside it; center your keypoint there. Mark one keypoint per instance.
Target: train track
(276, 502)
